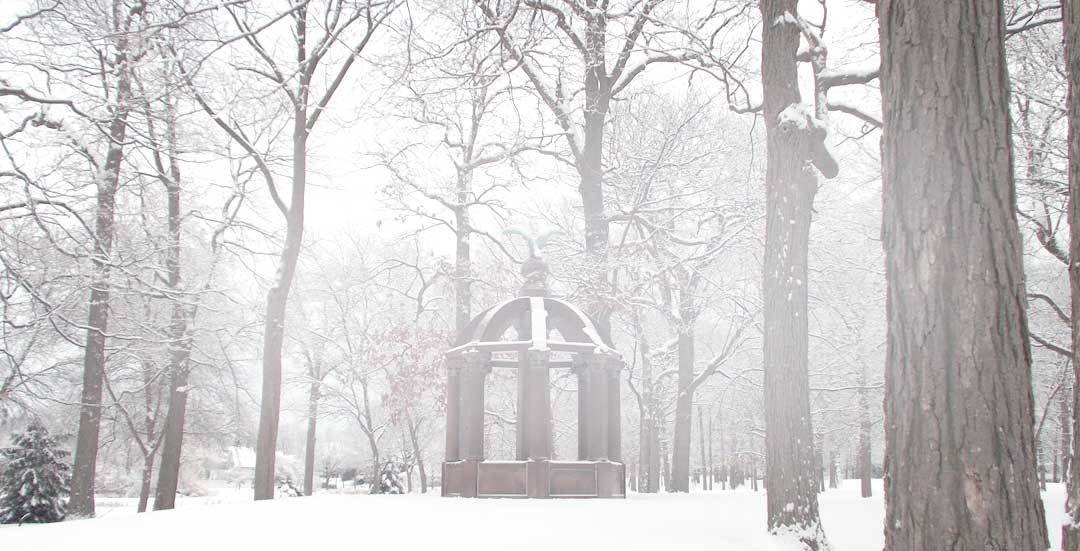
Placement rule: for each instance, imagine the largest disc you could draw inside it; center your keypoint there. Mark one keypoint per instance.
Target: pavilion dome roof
(535, 319)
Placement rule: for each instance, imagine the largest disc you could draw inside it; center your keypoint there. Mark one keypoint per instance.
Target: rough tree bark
(648, 433)
(791, 184)
(180, 341)
(307, 110)
(712, 467)
(680, 455)
(833, 482)
(462, 256)
(865, 461)
(149, 448)
(819, 461)
(1071, 18)
(960, 448)
(665, 464)
(1065, 422)
(687, 381)
(278, 297)
(598, 94)
(705, 475)
(84, 467)
(315, 376)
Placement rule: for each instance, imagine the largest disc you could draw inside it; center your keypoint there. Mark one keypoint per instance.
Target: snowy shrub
(286, 487)
(35, 481)
(391, 479)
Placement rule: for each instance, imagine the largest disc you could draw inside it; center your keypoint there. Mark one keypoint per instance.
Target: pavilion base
(534, 479)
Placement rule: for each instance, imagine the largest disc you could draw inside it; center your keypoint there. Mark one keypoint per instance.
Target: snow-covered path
(729, 520)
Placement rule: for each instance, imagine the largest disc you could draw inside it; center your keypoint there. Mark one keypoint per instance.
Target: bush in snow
(287, 488)
(34, 482)
(391, 479)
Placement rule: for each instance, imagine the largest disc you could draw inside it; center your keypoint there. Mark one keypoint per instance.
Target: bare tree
(295, 80)
(455, 88)
(1071, 16)
(676, 214)
(563, 49)
(162, 134)
(794, 138)
(143, 419)
(864, 459)
(317, 370)
(960, 449)
(122, 19)
(113, 32)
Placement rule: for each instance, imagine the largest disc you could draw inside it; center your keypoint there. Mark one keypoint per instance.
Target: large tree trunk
(376, 462)
(865, 461)
(149, 448)
(312, 425)
(712, 468)
(646, 447)
(648, 435)
(819, 461)
(171, 448)
(654, 472)
(664, 464)
(960, 448)
(274, 327)
(705, 474)
(462, 265)
(833, 482)
(680, 457)
(147, 477)
(180, 343)
(591, 170)
(1065, 422)
(1071, 17)
(84, 467)
(790, 187)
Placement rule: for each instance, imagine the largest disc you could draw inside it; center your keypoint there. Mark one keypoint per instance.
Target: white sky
(344, 194)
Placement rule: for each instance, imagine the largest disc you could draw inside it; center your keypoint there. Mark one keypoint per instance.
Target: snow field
(724, 520)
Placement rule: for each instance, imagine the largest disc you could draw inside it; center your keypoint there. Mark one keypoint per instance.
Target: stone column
(473, 373)
(453, 409)
(522, 420)
(614, 367)
(598, 408)
(538, 429)
(538, 425)
(522, 326)
(580, 369)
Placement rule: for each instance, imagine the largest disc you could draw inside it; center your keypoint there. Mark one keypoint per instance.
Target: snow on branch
(799, 116)
(785, 19)
(1037, 17)
(813, 37)
(1056, 348)
(856, 112)
(830, 78)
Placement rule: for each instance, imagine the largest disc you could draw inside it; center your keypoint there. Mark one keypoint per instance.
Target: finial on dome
(534, 277)
(534, 270)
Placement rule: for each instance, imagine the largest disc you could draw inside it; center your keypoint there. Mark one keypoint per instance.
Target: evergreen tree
(35, 481)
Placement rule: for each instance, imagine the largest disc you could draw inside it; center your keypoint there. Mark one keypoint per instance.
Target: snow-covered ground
(732, 520)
